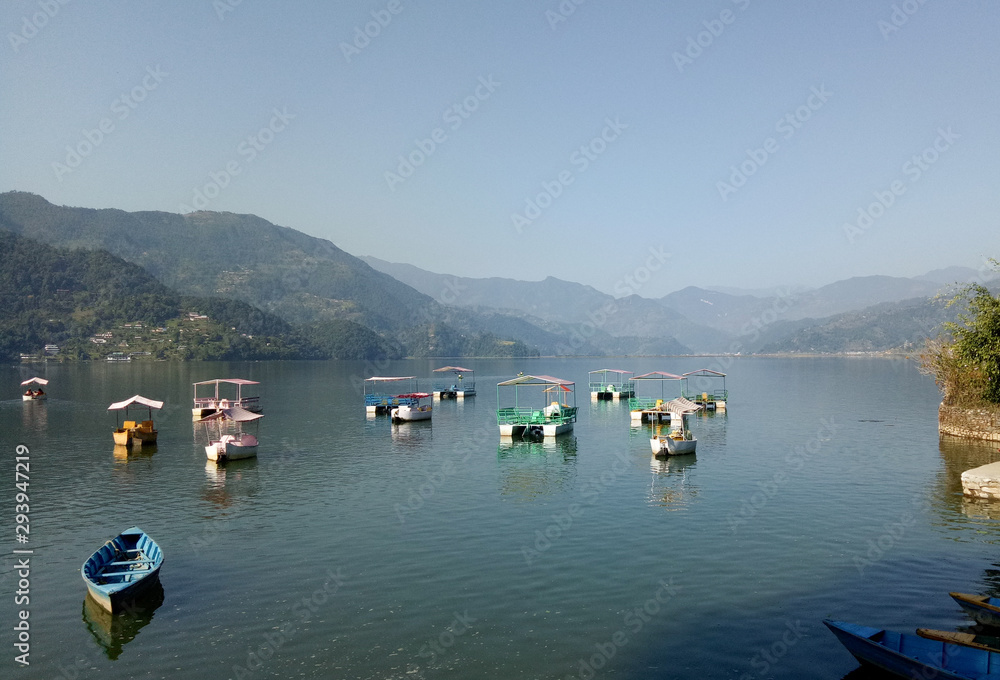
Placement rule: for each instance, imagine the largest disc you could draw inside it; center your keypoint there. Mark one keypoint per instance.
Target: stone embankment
(983, 481)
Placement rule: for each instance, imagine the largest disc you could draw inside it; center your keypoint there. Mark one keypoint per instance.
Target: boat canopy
(232, 381)
(680, 405)
(610, 370)
(390, 379)
(658, 375)
(453, 369)
(703, 372)
(40, 381)
(236, 413)
(151, 403)
(536, 380)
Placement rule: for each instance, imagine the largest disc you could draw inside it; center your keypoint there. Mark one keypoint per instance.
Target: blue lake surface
(353, 548)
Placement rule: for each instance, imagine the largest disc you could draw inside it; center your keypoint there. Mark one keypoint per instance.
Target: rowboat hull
(34, 397)
(911, 656)
(122, 570)
(982, 608)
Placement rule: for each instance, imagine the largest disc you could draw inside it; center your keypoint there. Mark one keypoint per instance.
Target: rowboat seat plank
(118, 564)
(123, 573)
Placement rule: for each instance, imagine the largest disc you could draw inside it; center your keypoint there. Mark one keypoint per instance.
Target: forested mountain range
(332, 304)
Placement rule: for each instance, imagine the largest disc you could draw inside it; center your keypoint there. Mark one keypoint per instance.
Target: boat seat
(128, 425)
(146, 426)
(118, 564)
(123, 573)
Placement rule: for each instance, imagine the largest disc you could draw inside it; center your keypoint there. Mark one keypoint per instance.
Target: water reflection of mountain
(113, 631)
(531, 469)
(958, 456)
(670, 486)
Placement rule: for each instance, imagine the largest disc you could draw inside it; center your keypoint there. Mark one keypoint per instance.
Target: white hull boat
(232, 447)
(668, 445)
(406, 414)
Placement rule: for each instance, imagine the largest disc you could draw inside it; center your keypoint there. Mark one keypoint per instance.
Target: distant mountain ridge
(309, 281)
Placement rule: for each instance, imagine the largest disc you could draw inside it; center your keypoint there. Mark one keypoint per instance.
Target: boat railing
(454, 386)
(627, 387)
(249, 403)
(390, 400)
(643, 403)
(521, 415)
(713, 395)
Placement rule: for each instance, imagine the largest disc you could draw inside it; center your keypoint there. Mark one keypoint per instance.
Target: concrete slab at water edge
(982, 482)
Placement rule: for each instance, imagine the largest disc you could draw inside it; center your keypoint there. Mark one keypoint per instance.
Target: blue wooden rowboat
(983, 608)
(911, 656)
(122, 569)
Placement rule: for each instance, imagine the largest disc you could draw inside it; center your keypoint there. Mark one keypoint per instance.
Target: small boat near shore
(912, 656)
(985, 642)
(982, 608)
(129, 433)
(32, 394)
(410, 409)
(122, 569)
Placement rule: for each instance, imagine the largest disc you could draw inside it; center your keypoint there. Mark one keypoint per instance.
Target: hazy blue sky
(730, 142)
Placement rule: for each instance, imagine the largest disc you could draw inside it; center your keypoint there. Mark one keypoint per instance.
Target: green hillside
(91, 304)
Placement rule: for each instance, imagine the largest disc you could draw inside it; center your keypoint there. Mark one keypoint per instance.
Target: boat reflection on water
(532, 469)
(670, 485)
(113, 631)
(412, 434)
(124, 454)
(226, 481)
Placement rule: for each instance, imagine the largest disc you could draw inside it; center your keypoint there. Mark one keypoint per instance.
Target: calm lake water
(352, 548)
